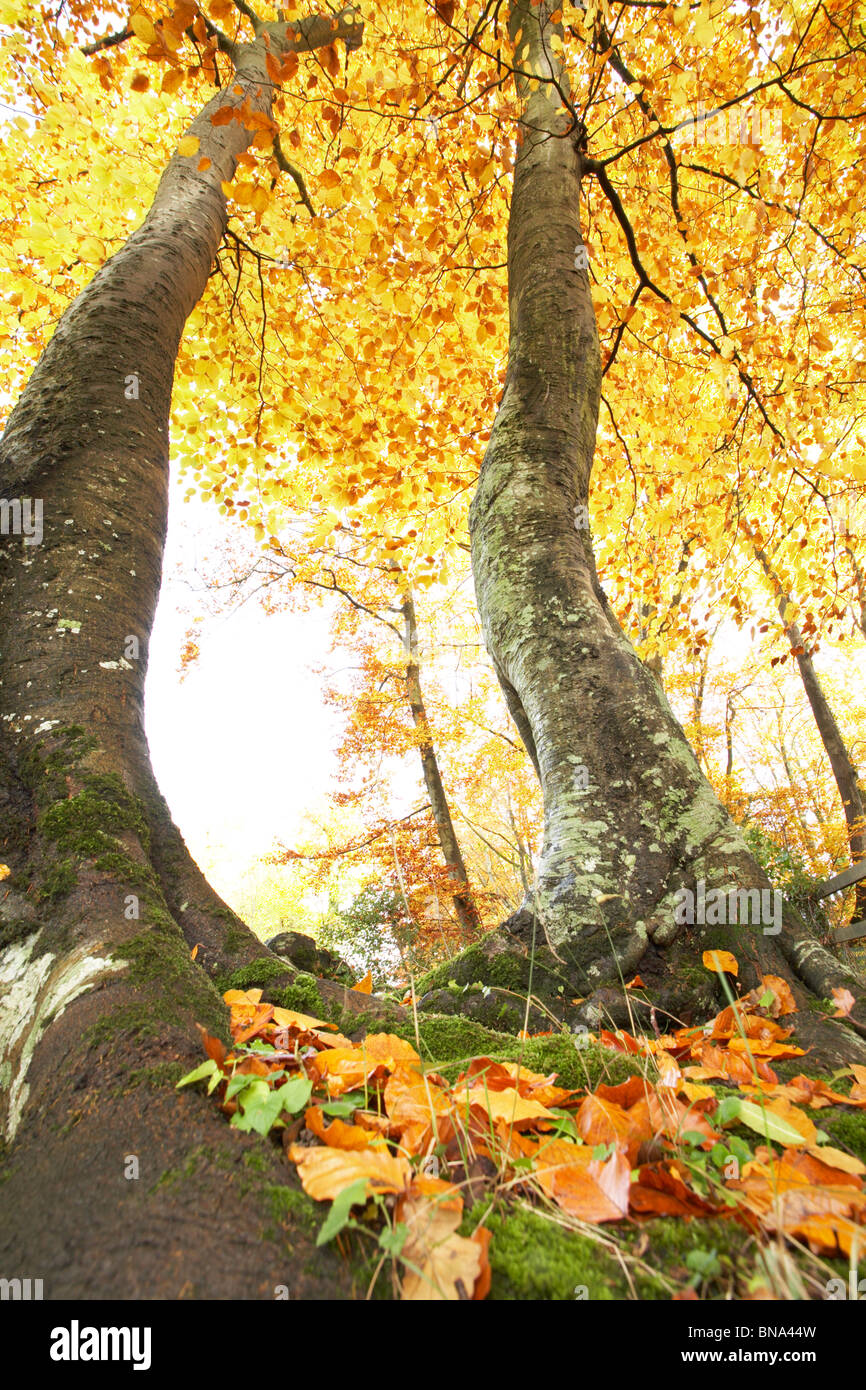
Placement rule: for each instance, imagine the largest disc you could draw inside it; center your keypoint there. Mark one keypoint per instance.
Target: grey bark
(464, 903)
(841, 762)
(629, 817)
(103, 904)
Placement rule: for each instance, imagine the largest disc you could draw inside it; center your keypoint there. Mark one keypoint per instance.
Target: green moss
(291, 1204)
(257, 1161)
(57, 881)
(255, 975)
(86, 823)
(46, 773)
(672, 1239)
(846, 1128)
(17, 930)
(197, 1158)
(447, 1040)
(159, 957)
(136, 1020)
(533, 1258)
(303, 996)
(162, 1074)
(588, 1065)
(507, 970)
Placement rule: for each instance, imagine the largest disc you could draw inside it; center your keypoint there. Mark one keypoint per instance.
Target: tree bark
(464, 902)
(630, 820)
(103, 905)
(841, 762)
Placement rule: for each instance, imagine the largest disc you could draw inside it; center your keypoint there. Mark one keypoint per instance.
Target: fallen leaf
(338, 1135)
(365, 986)
(509, 1106)
(721, 961)
(443, 1266)
(325, 1172)
(482, 1238)
(588, 1188)
(304, 1023)
(413, 1104)
(661, 1191)
(845, 1002)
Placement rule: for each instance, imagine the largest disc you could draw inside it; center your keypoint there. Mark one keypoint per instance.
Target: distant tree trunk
(464, 903)
(630, 820)
(104, 906)
(844, 771)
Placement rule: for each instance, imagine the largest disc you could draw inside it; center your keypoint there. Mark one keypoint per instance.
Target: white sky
(243, 745)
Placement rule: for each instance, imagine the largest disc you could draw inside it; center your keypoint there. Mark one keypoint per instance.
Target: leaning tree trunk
(100, 903)
(461, 888)
(630, 820)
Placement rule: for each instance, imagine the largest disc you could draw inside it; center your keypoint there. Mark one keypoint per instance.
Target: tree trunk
(464, 903)
(103, 904)
(844, 771)
(630, 820)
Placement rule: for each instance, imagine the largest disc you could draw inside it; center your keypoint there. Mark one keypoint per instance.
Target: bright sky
(243, 745)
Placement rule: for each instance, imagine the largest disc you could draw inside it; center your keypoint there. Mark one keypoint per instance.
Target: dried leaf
(325, 1172)
(721, 961)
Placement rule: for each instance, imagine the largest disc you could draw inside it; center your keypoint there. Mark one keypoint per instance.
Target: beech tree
(111, 936)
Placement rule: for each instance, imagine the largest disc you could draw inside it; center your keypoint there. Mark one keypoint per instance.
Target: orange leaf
(412, 1104)
(845, 1002)
(509, 1106)
(325, 1172)
(442, 1265)
(213, 1047)
(721, 961)
(482, 1285)
(787, 1004)
(586, 1187)
(365, 986)
(337, 1135)
(660, 1191)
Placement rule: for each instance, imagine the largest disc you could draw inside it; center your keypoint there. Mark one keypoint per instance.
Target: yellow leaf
(508, 1105)
(289, 1018)
(188, 146)
(5, 871)
(721, 961)
(324, 1172)
(442, 1266)
(365, 986)
(142, 28)
(260, 200)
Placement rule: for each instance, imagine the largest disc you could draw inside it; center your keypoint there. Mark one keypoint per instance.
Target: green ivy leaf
(341, 1210)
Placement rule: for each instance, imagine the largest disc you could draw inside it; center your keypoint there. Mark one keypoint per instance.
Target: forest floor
(442, 1159)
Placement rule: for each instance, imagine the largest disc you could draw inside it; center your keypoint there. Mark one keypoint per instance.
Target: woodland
(516, 342)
